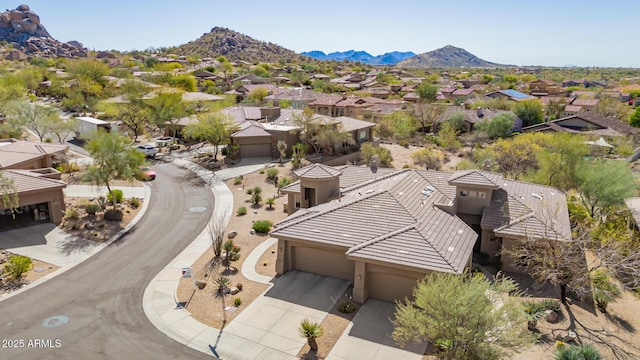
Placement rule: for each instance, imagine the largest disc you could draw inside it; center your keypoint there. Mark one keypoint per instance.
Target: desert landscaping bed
(38, 270)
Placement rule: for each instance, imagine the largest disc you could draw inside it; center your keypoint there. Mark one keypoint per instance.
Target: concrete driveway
(268, 327)
(368, 336)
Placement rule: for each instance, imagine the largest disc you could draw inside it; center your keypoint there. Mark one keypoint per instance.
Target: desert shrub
(113, 215)
(17, 266)
(465, 164)
(272, 173)
(257, 190)
(284, 181)
(580, 352)
(262, 226)
(92, 208)
(256, 198)
(102, 201)
(71, 213)
(534, 310)
(237, 302)
(242, 210)
(551, 304)
(346, 307)
(134, 202)
(249, 191)
(367, 150)
(604, 290)
(237, 181)
(119, 195)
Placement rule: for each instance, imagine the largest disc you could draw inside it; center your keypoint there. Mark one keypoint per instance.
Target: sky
(543, 32)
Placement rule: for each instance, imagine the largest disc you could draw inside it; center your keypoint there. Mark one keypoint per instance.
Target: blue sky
(550, 33)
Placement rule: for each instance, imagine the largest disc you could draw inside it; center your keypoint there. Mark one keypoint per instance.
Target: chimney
(269, 112)
(479, 112)
(374, 162)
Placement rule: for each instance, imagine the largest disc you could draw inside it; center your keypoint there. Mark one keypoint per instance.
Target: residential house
(352, 106)
(472, 117)
(579, 105)
(587, 124)
(297, 98)
(249, 79)
(545, 88)
(39, 188)
(583, 83)
(383, 230)
(242, 92)
(509, 94)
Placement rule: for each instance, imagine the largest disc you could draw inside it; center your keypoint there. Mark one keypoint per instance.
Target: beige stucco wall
(488, 246)
(324, 188)
(54, 198)
(509, 261)
(472, 203)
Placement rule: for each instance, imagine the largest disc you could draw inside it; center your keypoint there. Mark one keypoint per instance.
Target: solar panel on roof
(516, 94)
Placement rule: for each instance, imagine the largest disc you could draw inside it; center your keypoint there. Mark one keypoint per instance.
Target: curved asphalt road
(102, 297)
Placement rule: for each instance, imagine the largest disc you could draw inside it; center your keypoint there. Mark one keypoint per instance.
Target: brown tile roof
(527, 210)
(317, 171)
(253, 130)
(296, 94)
(327, 100)
(476, 177)
(585, 102)
(573, 108)
(602, 126)
(13, 152)
(26, 181)
(392, 212)
(351, 124)
(463, 92)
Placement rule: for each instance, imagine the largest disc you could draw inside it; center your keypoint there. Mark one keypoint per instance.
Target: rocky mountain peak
(21, 27)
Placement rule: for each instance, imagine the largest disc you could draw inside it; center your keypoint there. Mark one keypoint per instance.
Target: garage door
(255, 150)
(323, 262)
(389, 286)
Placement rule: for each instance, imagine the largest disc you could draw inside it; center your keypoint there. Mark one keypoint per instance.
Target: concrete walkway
(95, 191)
(267, 328)
(48, 243)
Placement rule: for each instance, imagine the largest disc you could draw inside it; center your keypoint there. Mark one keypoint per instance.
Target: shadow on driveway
(310, 290)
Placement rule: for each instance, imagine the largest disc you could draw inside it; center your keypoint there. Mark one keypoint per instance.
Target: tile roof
(317, 171)
(476, 177)
(392, 213)
(25, 181)
(527, 210)
(351, 124)
(585, 102)
(603, 126)
(13, 152)
(253, 130)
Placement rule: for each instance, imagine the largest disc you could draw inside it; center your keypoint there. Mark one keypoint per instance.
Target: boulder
(551, 315)
(232, 234)
(234, 290)
(105, 54)
(17, 26)
(200, 284)
(16, 15)
(15, 55)
(32, 47)
(23, 7)
(33, 17)
(76, 44)
(29, 26)
(5, 17)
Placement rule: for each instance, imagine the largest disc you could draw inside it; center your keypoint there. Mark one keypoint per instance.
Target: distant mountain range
(448, 56)
(390, 58)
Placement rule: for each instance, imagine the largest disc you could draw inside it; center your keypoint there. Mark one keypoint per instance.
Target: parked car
(147, 173)
(149, 150)
(165, 141)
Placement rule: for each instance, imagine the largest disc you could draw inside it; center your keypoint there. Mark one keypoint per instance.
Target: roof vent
(426, 193)
(430, 188)
(537, 196)
(369, 191)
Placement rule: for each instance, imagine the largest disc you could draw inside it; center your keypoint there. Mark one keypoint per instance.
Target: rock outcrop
(22, 28)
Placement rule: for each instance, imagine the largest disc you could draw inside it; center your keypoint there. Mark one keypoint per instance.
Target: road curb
(114, 238)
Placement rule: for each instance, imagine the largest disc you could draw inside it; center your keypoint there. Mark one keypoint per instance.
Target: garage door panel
(255, 150)
(391, 287)
(323, 262)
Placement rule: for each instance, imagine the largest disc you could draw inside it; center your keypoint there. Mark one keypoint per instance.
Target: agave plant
(585, 351)
(534, 311)
(311, 331)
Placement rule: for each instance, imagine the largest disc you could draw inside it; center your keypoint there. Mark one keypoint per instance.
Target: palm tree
(270, 202)
(311, 331)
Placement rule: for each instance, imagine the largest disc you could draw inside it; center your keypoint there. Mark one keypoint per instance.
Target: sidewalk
(159, 300)
(95, 191)
(48, 243)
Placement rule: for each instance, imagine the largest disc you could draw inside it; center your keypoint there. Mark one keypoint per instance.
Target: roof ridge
(371, 181)
(380, 238)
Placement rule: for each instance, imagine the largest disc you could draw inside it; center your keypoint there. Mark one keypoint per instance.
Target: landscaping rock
(571, 336)
(232, 234)
(551, 316)
(200, 284)
(234, 290)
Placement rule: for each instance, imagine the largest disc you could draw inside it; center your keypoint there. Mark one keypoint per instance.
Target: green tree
(298, 152)
(367, 150)
(611, 107)
(604, 183)
(8, 193)
(168, 108)
(635, 118)
(429, 158)
(256, 95)
(427, 114)
(17, 266)
(214, 128)
(427, 92)
(282, 150)
(554, 109)
(499, 126)
(515, 157)
(259, 70)
(462, 316)
(529, 111)
(113, 159)
(401, 125)
(35, 117)
(134, 116)
(62, 128)
(455, 122)
(225, 67)
(318, 132)
(448, 136)
(559, 158)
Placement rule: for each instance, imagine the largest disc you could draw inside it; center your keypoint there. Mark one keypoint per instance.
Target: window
(463, 193)
(482, 195)
(472, 194)
(362, 135)
(296, 200)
